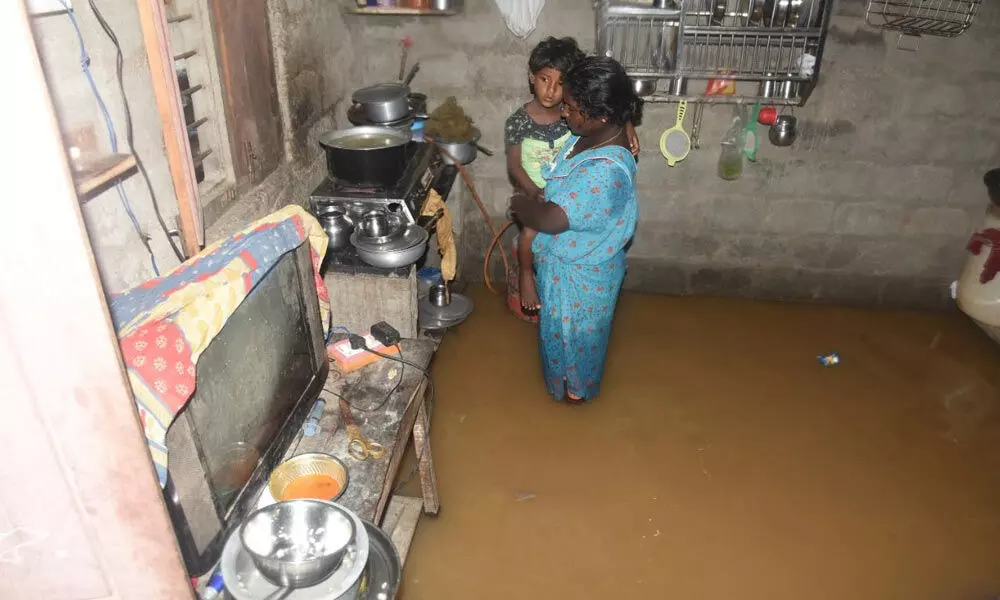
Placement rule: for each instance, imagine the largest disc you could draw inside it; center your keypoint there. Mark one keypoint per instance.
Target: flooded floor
(721, 460)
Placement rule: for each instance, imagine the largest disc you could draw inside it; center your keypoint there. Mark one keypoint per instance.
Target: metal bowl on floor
(298, 543)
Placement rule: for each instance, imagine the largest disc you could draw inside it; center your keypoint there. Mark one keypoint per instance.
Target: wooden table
(369, 489)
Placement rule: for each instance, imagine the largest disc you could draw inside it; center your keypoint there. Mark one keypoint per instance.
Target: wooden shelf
(401, 11)
(101, 171)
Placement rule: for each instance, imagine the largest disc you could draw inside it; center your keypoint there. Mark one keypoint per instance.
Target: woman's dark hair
(603, 90)
(559, 54)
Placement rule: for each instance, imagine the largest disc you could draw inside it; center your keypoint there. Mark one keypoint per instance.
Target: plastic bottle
(214, 587)
(731, 156)
(311, 426)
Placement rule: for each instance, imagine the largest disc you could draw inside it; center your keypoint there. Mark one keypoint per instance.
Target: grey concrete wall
(121, 258)
(874, 202)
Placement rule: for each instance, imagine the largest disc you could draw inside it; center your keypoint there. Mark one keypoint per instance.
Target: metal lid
(381, 92)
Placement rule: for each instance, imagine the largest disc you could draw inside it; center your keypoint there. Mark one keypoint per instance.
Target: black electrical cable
(129, 134)
(399, 381)
(430, 407)
(430, 411)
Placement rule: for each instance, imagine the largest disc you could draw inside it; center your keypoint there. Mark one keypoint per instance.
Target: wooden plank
(399, 446)
(401, 518)
(367, 387)
(250, 91)
(81, 513)
(425, 462)
(91, 176)
(153, 20)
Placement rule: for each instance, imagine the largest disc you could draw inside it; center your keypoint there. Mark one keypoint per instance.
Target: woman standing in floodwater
(586, 219)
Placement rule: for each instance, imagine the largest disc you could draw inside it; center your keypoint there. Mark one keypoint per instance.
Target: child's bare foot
(530, 302)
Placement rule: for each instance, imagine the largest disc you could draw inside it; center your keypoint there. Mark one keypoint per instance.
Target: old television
(255, 384)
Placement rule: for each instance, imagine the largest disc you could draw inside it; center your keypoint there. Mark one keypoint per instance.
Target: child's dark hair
(559, 54)
(603, 90)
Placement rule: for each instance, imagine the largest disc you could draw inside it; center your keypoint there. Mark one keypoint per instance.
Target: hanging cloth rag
(521, 15)
(445, 236)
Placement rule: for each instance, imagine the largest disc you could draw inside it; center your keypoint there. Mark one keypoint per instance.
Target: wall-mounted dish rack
(771, 49)
(945, 18)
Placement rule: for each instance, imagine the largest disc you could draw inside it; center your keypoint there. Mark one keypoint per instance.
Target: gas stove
(423, 172)
(423, 169)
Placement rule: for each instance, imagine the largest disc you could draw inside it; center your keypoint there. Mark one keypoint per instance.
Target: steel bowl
(644, 87)
(298, 543)
(312, 463)
(380, 227)
(461, 152)
(391, 259)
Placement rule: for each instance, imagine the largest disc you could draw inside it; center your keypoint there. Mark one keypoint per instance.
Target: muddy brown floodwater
(721, 460)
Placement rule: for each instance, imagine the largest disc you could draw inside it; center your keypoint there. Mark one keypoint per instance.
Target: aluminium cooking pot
(461, 152)
(384, 102)
(366, 156)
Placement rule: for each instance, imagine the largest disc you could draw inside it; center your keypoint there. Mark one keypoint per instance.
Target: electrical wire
(112, 135)
(430, 411)
(129, 132)
(378, 407)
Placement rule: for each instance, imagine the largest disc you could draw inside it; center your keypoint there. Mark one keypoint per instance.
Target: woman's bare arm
(546, 217)
(633, 139)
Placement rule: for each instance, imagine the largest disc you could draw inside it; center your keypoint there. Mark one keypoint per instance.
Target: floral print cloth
(580, 271)
(165, 324)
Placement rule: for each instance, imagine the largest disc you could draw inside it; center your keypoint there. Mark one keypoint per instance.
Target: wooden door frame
(60, 371)
(153, 19)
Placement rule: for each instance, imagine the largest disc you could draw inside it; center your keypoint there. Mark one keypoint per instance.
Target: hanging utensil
(783, 132)
(675, 144)
(407, 41)
(699, 111)
(752, 140)
(412, 73)
(485, 151)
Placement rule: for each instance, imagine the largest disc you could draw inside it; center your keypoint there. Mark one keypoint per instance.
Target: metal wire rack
(776, 43)
(752, 39)
(643, 39)
(945, 18)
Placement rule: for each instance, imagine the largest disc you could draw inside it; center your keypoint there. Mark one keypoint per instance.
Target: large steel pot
(380, 163)
(384, 102)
